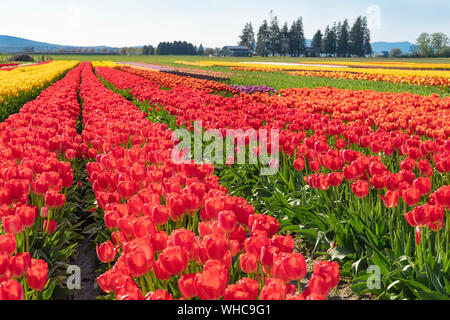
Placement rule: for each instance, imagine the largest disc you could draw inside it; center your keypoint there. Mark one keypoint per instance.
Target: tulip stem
(25, 287)
(149, 278)
(27, 237)
(299, 287)
(144, 288)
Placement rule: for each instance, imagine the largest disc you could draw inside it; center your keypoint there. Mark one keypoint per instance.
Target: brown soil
(343, 291)
(85, 258)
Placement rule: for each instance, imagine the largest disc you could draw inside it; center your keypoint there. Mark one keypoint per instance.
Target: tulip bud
(12, 224)
(174, 259)
(49, 226)
(186, 285)
(44, 212)
(37, 274)
(106, 252)
(227, 220)
(248, 263)
(20, 264)
(11, 290)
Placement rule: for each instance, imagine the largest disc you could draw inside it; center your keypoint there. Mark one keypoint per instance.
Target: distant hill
(9, 44)
(378, 47)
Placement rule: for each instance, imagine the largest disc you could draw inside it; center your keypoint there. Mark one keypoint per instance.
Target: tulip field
(349, 191)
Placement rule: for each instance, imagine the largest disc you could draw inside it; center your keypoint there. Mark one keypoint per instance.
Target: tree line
(165, 48)
(432, 45)
(338, 40)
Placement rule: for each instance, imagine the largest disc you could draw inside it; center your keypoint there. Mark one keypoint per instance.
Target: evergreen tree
(317, 41)
(247, 37)
(284, 39)
(366, 34)
(201, 50)
(262, 47)
(301, 37)
(274, 36)
(343, 40)
(293, 43)
(326, 41)
(175, 48)
(296, 39)
(356, 38)
(330, 40)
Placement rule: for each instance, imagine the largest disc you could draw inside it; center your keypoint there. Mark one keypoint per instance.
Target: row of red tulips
(33, 181)
(387, 164)
(214, 111)
(389, 111)
(177, 233)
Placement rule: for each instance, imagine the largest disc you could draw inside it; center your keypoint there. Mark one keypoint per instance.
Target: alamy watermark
(74, 277)
(374, 280)
(228, 146)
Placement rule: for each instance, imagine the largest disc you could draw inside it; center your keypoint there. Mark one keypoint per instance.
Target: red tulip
(7, 244)
(174, 259)
(267, 255)
(11, 290)
(107, 280)
(37, 274)
(251, 286)
(299, 164)
(253, 244)
(20, 264)
(236, 292)
(274, 289)
(411, 196)
(216, 246)
(159, 294)
(126, 189)
(159, 241)
(289, 266)
(423, 185)
(12, 224)
(186, 285)
(139, 263)
(135, 206)
(27, 214)
(390, 199)
(5, 196)
(106, 252)
(44, 212)
(210, 285)
(160, 272)
(284, 243)
(319, 284)
(329, 268)
(248, 263)
(138, 172)
(183, 238)
(53, 199)
(227, 220)
(361, 188)
(5, 261)
(160, 215)
(49, 226)
(129, 291)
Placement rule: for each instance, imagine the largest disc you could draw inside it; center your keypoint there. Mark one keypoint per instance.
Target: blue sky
(210, 22)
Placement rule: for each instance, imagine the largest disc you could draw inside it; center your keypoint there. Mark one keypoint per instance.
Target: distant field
(279, 80)
(170, 59)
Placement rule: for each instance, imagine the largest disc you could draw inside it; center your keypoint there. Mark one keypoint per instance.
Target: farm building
(236, 51)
